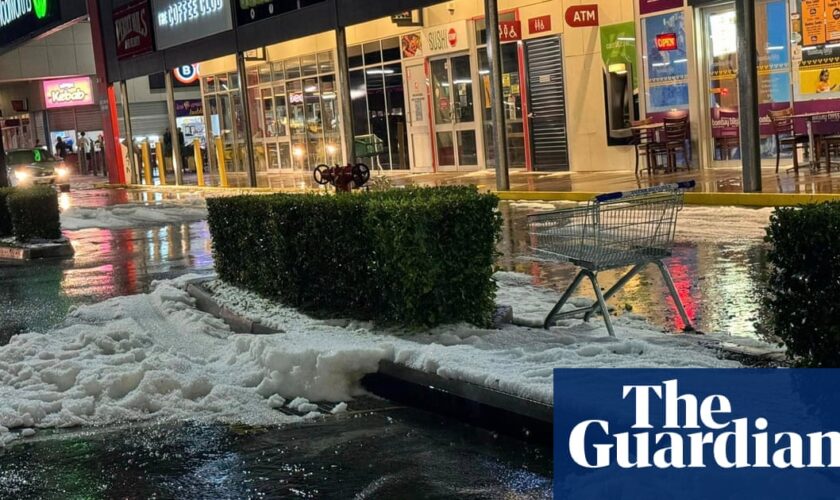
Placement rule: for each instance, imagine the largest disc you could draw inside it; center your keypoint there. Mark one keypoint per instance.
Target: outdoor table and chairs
(668, 138)
(818, 144)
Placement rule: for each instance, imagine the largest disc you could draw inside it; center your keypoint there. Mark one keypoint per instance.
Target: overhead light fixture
(385, 71)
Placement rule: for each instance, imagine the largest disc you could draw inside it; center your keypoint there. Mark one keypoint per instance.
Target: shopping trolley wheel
(322, 175)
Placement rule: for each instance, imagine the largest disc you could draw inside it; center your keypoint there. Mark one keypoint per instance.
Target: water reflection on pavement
(108, 263)
(384, 453)
(720, 280)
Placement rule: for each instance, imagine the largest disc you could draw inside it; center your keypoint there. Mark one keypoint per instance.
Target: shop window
(373, 53)
(512, 94)
(253, 76)
(666, 73)
(309, 65)
(354, 55)
(377, 96)
(292, 69)
(358, 94)
(326, 64)
(278, 71)
(210, 84)
(391, 50)
(233, 81)
(265, 74)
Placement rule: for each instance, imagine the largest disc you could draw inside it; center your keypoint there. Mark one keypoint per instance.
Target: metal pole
(346, 116)
(129, 134)
(4, 177)
(173, 132)
(246, 109)
(494, 58)
(748, 92)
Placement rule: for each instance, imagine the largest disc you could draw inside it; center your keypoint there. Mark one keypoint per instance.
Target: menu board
(813, 22)
(832, 20)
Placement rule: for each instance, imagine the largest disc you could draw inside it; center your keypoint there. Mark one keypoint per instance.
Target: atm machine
(622, 103)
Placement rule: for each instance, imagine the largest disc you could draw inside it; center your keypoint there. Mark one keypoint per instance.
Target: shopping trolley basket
(612, 231)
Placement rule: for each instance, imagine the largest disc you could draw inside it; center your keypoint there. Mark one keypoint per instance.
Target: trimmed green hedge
(34, 213)
(5, 217)
(419, 256)
(803, 299)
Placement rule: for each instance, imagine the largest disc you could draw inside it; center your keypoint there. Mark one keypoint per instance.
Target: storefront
(696, 41)
(419, 94)
(71, 110)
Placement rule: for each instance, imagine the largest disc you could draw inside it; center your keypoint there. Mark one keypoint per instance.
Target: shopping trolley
(612, 231)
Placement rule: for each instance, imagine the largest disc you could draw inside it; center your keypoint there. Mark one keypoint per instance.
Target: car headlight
(22, 175)
(62, 172)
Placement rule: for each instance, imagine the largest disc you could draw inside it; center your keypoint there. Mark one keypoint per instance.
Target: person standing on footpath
(82, 149)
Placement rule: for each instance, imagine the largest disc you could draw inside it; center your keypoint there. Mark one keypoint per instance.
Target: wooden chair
(785, 133)
(727, 137)
(674, 140)
(644, 140)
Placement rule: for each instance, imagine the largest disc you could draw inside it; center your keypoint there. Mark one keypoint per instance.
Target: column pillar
(173, 129)
(748, 101)
(246, 110)
(494, 57)
(346, 103)
(129, 135)
(4, 179)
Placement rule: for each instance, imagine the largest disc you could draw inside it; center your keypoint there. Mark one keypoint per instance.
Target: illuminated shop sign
(182, 21)
(186, 74)
(23, 18)
(68, 92)
(133, 29)
(248, 11)
(666, 41)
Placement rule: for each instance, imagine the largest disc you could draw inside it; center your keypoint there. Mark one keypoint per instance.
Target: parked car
(28, 167)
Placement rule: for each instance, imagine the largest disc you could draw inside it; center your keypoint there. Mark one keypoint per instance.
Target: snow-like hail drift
(155, 356)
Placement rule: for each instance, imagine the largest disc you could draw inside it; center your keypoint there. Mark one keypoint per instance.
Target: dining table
(813, 159)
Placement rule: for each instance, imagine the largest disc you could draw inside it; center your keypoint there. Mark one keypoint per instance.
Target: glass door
(720, 51)
(453, 93)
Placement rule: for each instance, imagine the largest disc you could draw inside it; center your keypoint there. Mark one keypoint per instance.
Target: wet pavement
(720, 280)
(389, 452)
(382, 453)
(108, 263)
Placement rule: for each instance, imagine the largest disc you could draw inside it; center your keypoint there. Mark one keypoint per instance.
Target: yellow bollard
(199, 162)
(147, 163)
(220, 156)
(161, 161)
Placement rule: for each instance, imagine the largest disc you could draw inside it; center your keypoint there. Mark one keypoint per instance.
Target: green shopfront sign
(618, 46)
(26, 18)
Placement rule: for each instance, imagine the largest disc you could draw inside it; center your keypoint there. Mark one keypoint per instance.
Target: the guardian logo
(693, 430)
(642, 434)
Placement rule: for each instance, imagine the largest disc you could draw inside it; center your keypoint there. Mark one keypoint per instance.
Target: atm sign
(666, 41)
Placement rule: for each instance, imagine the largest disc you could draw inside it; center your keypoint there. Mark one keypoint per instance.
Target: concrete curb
(474, 404)
(55, 250)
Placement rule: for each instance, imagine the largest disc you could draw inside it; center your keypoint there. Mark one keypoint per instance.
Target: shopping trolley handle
(641, 192)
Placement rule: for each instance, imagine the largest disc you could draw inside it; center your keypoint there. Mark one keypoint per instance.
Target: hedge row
(419, 256)
(30, 213)
(803, 299)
